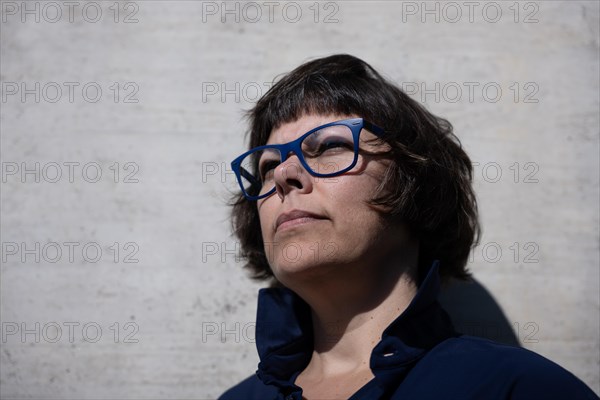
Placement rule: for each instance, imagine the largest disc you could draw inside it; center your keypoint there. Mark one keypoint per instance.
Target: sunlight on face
(313, 226)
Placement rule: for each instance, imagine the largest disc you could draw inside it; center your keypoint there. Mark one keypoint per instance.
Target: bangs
(331, 92)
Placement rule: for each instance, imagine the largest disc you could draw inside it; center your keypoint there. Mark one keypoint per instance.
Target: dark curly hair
(428, 185)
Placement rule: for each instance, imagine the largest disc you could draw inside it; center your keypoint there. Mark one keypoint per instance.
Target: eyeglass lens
(325, 151)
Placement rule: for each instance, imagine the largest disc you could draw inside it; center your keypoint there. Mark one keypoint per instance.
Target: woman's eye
(334, 144)
(267, 168)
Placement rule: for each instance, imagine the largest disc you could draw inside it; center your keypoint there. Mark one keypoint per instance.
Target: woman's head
(414, 180)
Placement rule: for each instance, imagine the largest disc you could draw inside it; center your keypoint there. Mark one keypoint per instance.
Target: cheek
(265, 233)
(263, 216)
(352, 191)
(358, 228)
(266, 214)
(349, 201)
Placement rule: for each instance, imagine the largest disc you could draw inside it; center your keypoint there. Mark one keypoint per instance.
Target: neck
(351, 311)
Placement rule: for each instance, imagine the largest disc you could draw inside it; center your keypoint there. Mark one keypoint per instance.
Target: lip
(295, 215)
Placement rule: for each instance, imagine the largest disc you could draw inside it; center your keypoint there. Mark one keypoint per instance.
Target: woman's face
(328, 226)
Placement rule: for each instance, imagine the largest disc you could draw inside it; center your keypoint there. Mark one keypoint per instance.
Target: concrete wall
(119, 286)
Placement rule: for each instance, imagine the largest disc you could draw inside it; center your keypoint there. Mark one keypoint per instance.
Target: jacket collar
(284, 336)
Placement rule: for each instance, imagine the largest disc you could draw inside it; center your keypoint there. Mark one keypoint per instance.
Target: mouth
(295, 217)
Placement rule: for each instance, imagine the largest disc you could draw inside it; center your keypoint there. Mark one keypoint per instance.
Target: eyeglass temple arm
(248, 176)
(373, 128)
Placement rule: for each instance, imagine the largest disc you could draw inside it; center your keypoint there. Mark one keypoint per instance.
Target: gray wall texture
(119, 272)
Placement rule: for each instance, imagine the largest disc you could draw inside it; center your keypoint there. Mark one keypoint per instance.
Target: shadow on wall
(475, 312)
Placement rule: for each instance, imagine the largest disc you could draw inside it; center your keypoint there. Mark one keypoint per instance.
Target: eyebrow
(305, 131)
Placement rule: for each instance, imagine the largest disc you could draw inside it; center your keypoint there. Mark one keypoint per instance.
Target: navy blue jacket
(420, 356)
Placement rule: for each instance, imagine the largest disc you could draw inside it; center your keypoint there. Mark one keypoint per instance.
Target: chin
(300, 254)
(292, 268)
(301, 251)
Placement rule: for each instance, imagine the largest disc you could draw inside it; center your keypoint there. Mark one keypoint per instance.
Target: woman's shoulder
(472, 349)
(250, 388)
(476, 364)
(466, 367)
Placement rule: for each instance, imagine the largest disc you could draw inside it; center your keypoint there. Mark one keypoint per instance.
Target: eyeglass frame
(356, 125)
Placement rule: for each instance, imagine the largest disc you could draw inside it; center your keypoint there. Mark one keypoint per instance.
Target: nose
(290, 175)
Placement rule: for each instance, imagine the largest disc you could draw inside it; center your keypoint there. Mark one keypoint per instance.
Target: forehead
(292, 130)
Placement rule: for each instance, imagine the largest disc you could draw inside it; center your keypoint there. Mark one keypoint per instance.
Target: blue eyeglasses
(325, 151)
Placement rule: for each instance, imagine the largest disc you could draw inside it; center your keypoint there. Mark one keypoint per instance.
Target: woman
(355, 203)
